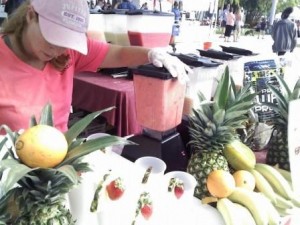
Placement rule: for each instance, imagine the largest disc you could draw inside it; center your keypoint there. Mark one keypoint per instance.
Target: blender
(159, 106)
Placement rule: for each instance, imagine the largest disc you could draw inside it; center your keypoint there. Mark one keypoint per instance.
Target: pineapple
(278, 145)
(213, 125)
(32, 196)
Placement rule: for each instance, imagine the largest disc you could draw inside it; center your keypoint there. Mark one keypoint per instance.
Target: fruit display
(268, 203)
(213, 125)
(40, 166)
(278, 145)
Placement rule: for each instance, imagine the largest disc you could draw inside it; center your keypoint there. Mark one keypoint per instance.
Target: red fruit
(147, 211)
(178, 191)
(115, 189)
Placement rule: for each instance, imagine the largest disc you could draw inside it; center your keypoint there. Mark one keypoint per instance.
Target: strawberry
(115, 189)
(178, 191)
(146, 211)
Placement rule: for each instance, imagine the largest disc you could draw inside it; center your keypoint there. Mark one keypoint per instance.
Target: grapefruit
(41, 146)
(244, 179)
(220, 183)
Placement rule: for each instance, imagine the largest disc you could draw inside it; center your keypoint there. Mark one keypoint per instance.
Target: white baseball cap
(64, 22)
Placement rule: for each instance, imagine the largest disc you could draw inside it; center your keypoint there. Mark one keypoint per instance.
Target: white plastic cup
(188, 180)
(158, 165)
(176, 210)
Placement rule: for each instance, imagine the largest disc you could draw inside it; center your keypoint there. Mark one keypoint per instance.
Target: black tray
(239, 51)
(216, 54)
(196, 61)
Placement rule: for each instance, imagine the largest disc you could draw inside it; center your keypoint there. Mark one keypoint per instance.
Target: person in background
(262, 28)
(176, 11)
(12, 5)
(43, 45)
(230, 20)
(284, 34)
(144, 6)
(238, 24)
(99, 6)
(223, 17)
(127, 4)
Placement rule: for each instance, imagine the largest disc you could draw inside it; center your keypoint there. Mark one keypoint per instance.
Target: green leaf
(46, 115)
(33, 122)
(91, 146)
(69, 172)
(219, 116)
(15, 173)
(279, 96)
(80, 125)
(222, 91)
(285, 90)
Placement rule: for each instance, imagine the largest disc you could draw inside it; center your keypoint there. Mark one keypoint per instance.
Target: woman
(284, 34)
(42, 45)
(230, 20)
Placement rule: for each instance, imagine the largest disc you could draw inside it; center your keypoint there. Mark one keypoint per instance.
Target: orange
(41, 146)
(220, 183)
(244, 179)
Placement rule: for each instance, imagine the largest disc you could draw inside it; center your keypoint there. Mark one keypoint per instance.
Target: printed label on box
(260, 73)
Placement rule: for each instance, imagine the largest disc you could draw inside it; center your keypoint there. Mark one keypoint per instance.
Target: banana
(252, 203)
(263, 185)
(296, 201)
(286, 174)
(283, 203)
(245, 214)
(227, 210)
(273, 214)
(239, 155)
(277, 181)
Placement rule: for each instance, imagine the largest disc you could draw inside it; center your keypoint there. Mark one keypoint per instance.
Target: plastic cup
(176, 210)
(188, 180)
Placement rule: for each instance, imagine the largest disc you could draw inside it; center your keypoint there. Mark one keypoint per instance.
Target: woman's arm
(120, 56)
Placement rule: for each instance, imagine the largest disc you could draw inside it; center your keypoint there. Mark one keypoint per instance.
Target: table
(95, 91)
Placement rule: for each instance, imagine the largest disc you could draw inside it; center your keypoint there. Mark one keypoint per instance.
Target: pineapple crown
(214, 124)
(283, 96)
(42, 185)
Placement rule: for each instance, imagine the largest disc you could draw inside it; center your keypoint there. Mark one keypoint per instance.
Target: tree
(255, 9)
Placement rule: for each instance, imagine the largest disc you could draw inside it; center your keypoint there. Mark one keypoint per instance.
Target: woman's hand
(177, 68)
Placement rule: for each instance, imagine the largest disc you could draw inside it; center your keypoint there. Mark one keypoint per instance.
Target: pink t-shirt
(26, 90)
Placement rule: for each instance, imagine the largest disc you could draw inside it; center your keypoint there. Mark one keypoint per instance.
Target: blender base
(170, 149)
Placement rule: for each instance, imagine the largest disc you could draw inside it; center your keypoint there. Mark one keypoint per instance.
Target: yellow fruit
(220, 183)
(239, 156)
(244, 179)
(41, 146)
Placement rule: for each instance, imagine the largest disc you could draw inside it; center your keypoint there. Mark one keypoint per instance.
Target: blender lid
(149, 70)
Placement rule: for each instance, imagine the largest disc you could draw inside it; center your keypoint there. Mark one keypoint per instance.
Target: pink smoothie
(159, 103)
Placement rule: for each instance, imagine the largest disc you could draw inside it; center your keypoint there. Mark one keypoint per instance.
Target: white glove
(176, 68)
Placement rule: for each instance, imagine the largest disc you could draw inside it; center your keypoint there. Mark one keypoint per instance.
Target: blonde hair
(16, 23)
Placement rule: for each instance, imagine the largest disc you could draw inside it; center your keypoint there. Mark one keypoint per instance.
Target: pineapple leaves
(33, 121)
(14, 174)
(46, 115)
(296, 91)
(281, 99)
(286, 92)
(222, 91)
(70, 172)
(91, 146)
(80, 125)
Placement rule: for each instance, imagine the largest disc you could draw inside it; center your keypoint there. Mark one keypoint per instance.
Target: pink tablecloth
(95, 91)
